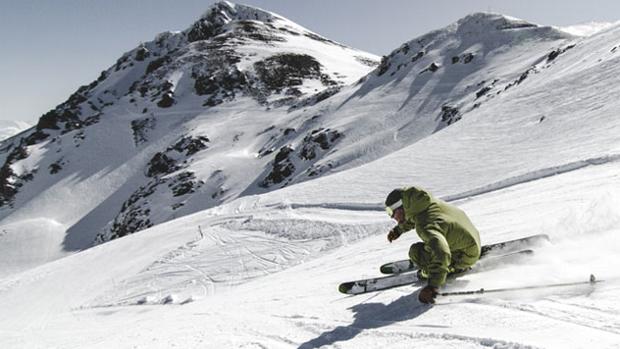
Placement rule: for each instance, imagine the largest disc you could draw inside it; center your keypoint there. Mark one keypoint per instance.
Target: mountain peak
(495, 21)
(213, 21)
(227, 11)
(487, 23)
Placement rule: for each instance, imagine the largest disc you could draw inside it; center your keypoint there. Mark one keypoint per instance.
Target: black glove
(427, 294)
(394, 234)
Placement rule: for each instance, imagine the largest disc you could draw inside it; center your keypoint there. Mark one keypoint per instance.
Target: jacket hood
(416, 200)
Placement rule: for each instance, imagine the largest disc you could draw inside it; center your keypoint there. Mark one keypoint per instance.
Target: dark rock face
(190, 145)
(135, 211)
(468, 57)
(282, 168)
(320, 138)
(133, 216)
(167, 100)
(404, 56)
(465, 58)
(68, 113)
(384, 66)
(483, 91)
(278, 139)
(449, 114)
(156, 64)
(9, 181)
(202, 30)
(286, 160)
(249, 22)
(170, 160)
(521, 78)
(220, 80)
(57, 166)
(514, 25)
(141, 54)
(417, 57)
(218, 77)
(161, 164)
(184, 183)
(316, 98)
(258, 31)
(286, 70)
(209, 25)
(555, 53)
(141, 128)
(433, 67)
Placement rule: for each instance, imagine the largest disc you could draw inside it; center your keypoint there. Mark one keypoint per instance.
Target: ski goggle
(390, 209)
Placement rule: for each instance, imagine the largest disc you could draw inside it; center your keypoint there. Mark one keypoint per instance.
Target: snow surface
(215, 271)
(587, 29)
(10, 128)
(262, 270)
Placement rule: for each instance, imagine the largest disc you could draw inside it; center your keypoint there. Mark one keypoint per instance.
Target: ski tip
(345, 287)
(386, 269)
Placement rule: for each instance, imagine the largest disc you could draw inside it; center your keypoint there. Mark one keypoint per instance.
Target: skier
(450, 242)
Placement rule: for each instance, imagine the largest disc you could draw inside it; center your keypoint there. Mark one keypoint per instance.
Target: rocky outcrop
(169, 182)
(290, 161)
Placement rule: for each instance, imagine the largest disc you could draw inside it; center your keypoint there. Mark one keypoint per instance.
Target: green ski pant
(459, 261)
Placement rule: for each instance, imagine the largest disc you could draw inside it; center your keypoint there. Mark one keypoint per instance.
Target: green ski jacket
(447, 233)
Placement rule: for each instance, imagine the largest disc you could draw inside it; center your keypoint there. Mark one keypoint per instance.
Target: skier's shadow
(369, 316)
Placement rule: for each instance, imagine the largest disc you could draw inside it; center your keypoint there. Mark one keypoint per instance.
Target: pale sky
(48, 48)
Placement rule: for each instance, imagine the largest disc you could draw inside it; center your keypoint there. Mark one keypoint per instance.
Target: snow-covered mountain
(179, 124)
(512, 121)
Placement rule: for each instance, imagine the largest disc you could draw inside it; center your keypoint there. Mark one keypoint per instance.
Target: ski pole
(592, 281)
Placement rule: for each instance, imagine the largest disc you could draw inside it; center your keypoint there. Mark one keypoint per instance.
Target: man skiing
(450, 242)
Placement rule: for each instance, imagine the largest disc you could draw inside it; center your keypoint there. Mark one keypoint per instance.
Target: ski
(378, 283)
(411, 278)
(514, 245)
(499, 248)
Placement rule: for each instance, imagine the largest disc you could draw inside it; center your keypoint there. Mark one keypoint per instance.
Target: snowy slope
(539, 154)
(10, 128)
(558, 118)
(439, 79)
(84, 300)
(587, 29)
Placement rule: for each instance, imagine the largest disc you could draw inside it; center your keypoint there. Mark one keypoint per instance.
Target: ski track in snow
(572, 314)
(234, 252)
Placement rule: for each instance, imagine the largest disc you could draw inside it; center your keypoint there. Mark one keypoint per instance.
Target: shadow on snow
(370, 316)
